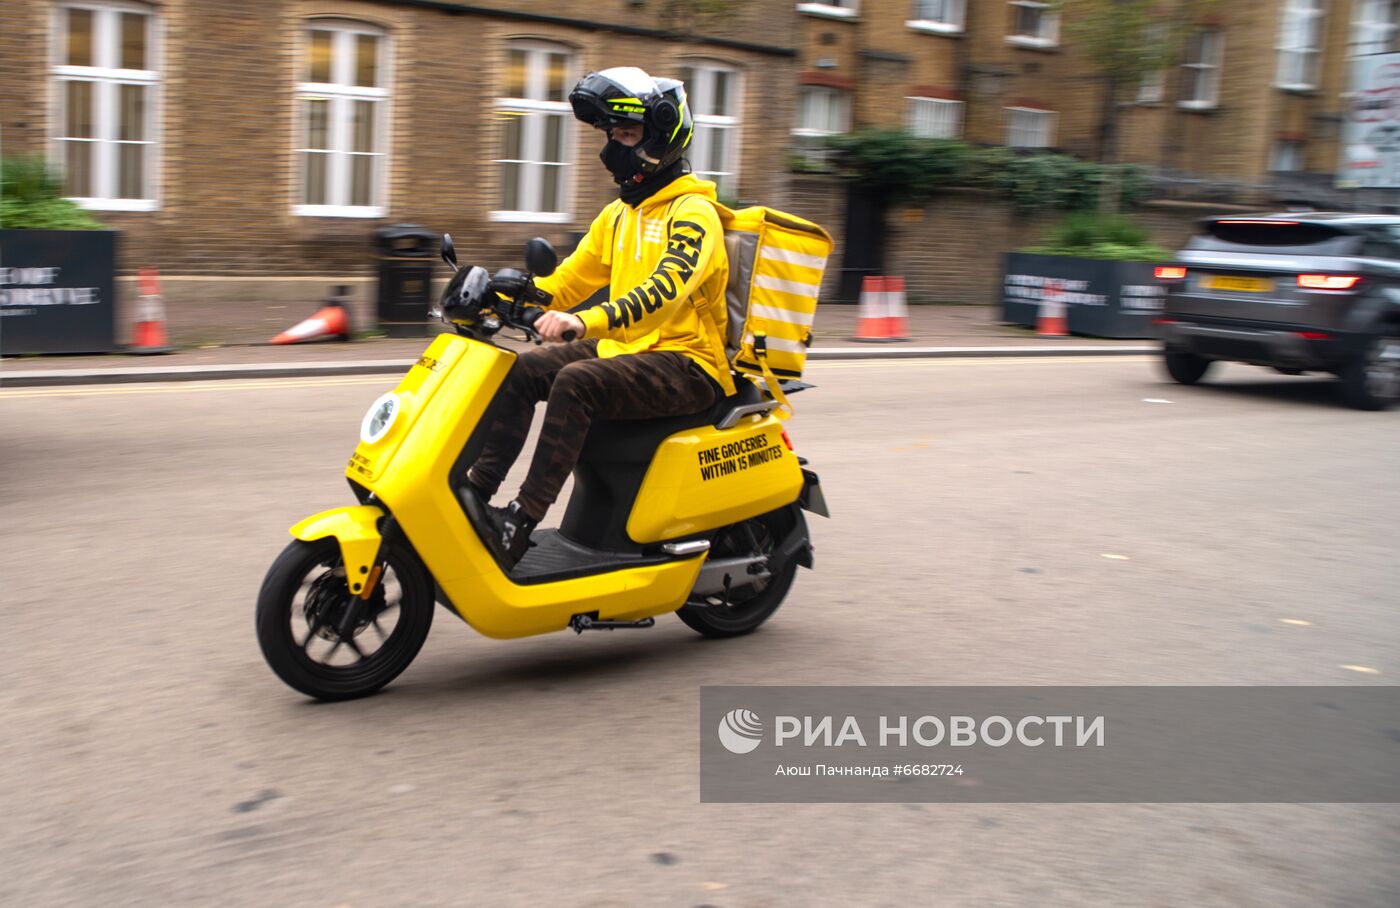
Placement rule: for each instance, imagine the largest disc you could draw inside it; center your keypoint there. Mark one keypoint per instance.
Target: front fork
(363, 533)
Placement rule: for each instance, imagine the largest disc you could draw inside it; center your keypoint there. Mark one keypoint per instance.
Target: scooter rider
(656, 348)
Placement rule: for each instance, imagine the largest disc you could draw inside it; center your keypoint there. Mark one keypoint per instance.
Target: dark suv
(1295, 292)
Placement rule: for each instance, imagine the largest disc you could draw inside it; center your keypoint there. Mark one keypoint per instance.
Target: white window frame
(832, 9)
(1286, 156)
(1209, 67)
(1299, 64)
(106, 76)
(1046, 121)
(342, 94)
(702, 73)
(536, 85)
(816, 156)
(1153, 87)
(953, 21)
(1373, 27)
(1049, 32)
(936, 111)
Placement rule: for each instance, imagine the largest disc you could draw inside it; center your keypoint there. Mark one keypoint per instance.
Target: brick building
(1260, 87)
(271, 137)
(245, 147)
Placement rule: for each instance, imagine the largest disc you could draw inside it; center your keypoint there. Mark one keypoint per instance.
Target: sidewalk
(933, 331)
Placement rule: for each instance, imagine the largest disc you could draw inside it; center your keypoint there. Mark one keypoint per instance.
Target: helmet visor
(597, 101)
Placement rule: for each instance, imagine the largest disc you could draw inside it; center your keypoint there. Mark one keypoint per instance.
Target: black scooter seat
(636, 440)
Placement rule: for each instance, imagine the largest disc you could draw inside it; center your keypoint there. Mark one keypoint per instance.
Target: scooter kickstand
(581, 623)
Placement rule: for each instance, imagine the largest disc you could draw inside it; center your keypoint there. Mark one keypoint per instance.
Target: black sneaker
(509, 536)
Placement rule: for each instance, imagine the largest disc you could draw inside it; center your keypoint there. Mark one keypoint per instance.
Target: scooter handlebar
(530, 316)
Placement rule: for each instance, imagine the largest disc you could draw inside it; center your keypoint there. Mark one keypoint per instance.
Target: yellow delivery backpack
(776, 262)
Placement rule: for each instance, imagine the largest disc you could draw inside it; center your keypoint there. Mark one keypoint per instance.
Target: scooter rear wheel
(748, 607)
(328, 644)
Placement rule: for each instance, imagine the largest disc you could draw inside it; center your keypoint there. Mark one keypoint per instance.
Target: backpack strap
(775, 387)
(716, 336)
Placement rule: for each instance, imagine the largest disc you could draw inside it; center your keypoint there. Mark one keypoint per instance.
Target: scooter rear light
(1169, 273)
(787, 441)
(1328, 281)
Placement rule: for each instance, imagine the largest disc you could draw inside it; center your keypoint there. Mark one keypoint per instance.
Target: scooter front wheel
(329, 644)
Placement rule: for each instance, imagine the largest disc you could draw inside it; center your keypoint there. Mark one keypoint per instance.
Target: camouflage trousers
(579, 387)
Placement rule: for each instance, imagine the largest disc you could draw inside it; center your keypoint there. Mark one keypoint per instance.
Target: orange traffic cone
(1051, 320)
(332, 321)
(148, 332)
(896, 310)
(873, 325)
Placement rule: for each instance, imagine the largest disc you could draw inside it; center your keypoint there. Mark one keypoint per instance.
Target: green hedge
(31, 197)
(907, 169)
(1095, 236)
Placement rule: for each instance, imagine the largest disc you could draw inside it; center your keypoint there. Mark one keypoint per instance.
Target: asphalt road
(150, 758)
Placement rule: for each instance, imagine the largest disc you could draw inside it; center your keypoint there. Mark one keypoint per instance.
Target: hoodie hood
(685, 184)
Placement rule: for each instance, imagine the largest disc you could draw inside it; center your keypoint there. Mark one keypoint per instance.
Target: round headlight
(380, 418)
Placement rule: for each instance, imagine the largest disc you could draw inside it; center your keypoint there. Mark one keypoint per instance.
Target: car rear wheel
(1183, 367)
(1372, 382)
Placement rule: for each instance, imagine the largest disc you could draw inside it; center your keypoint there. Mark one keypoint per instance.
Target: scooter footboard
(355, 528)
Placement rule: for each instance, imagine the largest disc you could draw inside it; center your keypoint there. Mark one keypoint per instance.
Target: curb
(55, 377)
(48, 378)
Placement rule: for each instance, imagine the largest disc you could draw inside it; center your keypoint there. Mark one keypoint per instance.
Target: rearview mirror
(449, 252)
(540, 257)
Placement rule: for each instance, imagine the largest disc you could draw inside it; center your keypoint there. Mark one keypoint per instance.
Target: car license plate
(1242, 284)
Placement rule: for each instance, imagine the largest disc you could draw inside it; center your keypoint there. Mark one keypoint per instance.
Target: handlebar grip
(570, 335)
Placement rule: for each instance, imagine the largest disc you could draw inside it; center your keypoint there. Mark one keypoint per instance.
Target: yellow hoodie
(663, 261)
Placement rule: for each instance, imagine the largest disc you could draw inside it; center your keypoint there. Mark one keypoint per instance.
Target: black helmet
(627, 96)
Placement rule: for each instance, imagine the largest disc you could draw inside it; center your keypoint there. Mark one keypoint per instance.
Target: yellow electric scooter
(699, 515)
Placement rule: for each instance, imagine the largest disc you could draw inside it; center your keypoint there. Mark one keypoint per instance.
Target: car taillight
(1164, 321)
(1328, 281)
(1314, 335)
(1169, 273)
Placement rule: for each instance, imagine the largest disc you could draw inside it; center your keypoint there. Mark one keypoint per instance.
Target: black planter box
(57, 291)
(1102, 298)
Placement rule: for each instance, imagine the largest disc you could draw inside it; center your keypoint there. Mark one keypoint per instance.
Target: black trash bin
(408, 253)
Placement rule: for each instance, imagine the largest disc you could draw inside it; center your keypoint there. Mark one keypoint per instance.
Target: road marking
(1296, 622)
(1155, 400)
(1115, 557)
(194, 386)
(1363, 669)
